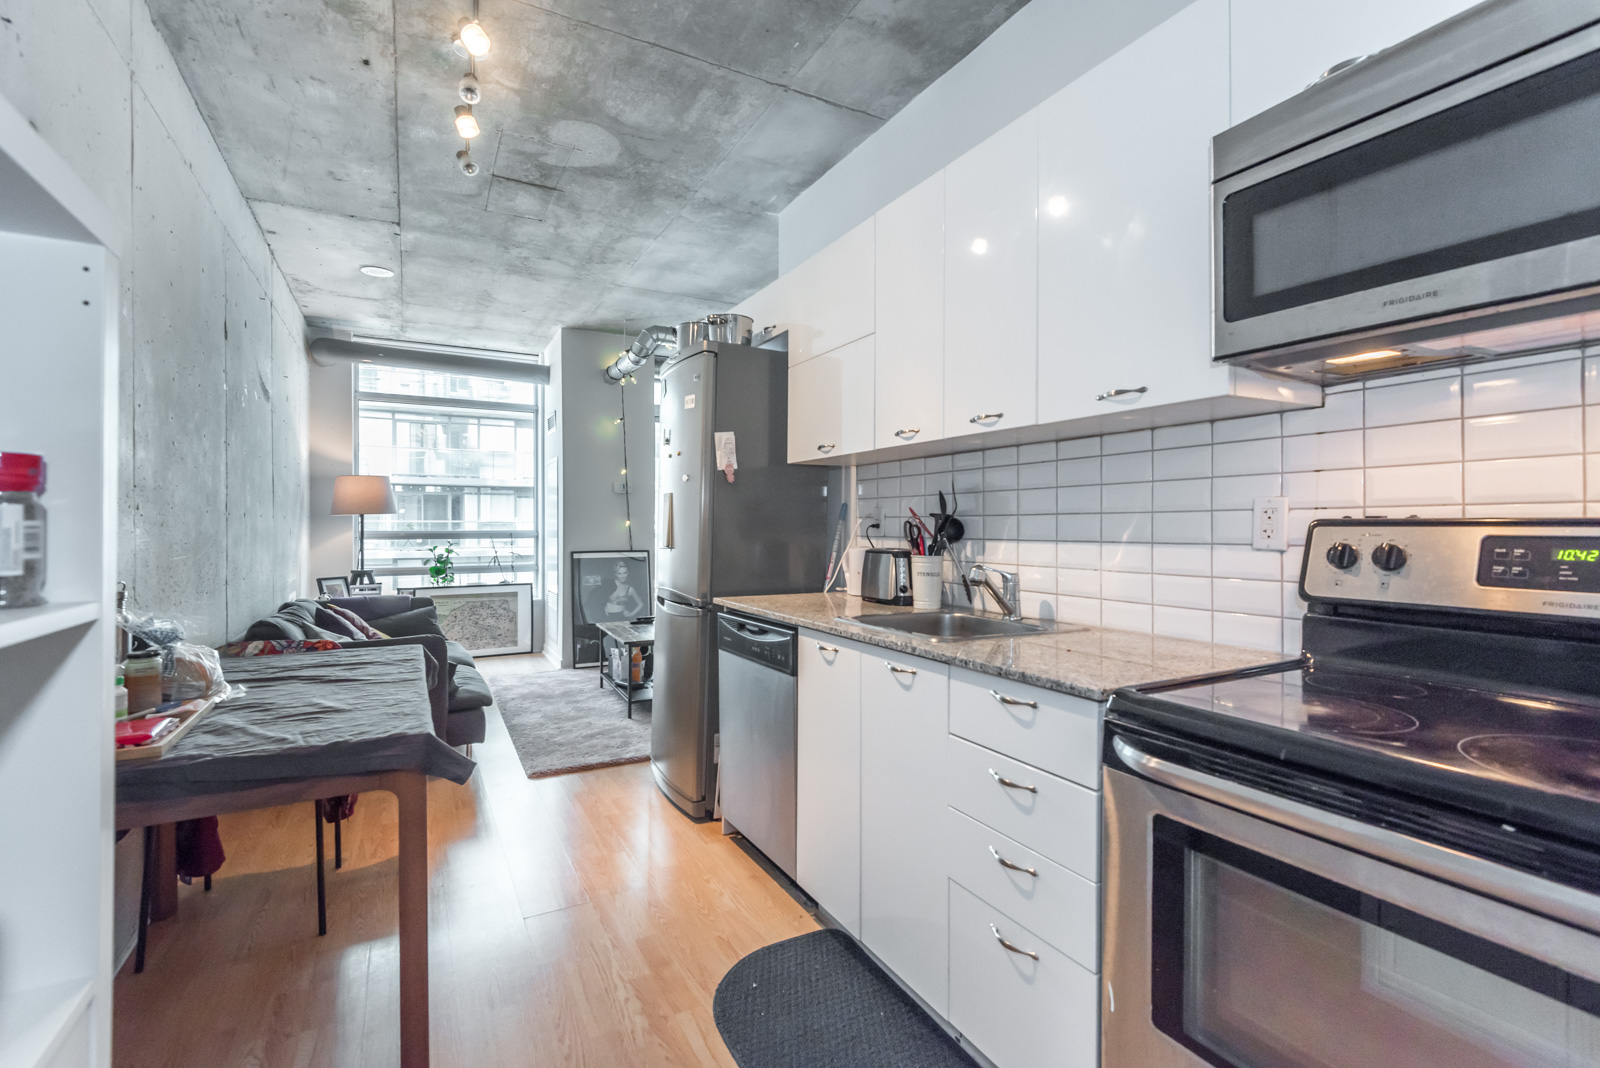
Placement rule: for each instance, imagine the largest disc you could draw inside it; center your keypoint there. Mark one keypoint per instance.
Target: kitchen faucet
(1005, 594)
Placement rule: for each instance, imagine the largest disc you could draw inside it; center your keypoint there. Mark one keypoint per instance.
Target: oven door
(1444, 210)
(1240, 940)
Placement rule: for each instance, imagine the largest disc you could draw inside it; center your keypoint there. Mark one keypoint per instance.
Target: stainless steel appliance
(1433, 202)
(1386, 851)
(756, 528)
(759, 696)
(886, 576)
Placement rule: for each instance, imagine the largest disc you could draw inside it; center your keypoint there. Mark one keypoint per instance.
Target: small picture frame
(334, 587)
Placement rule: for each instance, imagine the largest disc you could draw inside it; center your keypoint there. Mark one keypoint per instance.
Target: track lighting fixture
(466, 122)
(469, 88)
(471, 39)
(468, 165)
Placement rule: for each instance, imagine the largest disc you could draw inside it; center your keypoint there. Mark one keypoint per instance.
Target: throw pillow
(363, 628)
(337, 624)
(410, 624)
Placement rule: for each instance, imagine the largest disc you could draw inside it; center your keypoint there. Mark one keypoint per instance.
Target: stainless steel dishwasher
(758, 696)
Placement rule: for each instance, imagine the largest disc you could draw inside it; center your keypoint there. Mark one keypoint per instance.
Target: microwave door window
(1261, 965)
(1508, 172)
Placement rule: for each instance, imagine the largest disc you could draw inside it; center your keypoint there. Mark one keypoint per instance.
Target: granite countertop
(1087, 662)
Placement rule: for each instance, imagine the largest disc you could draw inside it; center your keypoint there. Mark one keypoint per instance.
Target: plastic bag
(188, 671)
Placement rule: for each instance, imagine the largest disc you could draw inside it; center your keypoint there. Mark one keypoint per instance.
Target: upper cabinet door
(831, 296)
(910, 319)
(1125, 223)
(830, 403)
(1282, 46)
(770, 306)
(991, 273)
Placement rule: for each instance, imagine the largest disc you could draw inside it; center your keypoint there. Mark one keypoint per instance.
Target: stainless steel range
(1386, 852)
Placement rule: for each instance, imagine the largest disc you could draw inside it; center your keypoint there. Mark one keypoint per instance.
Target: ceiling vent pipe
(653, 342)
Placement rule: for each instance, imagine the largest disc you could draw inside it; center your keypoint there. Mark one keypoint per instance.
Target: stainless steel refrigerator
(764, 532)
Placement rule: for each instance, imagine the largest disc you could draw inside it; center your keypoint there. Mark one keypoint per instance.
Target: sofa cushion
(361, 626)
(332, 621)
(458, 653)
(293, 620)
(370, 607)
(469, 691)
(406, 624)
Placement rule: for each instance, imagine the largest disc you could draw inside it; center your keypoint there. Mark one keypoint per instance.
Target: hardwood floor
(576, 920)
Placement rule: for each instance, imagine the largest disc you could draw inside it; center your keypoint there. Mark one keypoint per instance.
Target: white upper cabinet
(770, 306)
(830, 403)
(830, 299)
(1125, 223)
(991, 273)
(909, 399)
(1281, 46)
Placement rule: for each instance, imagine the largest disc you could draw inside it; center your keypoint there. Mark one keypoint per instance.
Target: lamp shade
(363, 495)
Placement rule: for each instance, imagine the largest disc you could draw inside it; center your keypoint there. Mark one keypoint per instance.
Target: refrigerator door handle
(666, 526)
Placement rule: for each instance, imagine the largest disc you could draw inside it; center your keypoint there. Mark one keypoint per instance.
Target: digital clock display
(1535, 563)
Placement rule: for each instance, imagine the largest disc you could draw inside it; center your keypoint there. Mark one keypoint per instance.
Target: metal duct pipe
(653, 342)
(488, 362)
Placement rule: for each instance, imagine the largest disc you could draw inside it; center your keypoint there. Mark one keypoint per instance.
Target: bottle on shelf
(142, 676)
(636, 672)
(22, 529)
(119, 697)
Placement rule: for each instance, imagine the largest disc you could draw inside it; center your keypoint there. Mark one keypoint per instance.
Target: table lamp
(362, 495)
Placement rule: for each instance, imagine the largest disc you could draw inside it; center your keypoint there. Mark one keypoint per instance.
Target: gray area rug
(818, 1001)
(563, 721)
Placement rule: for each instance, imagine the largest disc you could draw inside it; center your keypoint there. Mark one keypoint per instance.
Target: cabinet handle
(826, 448)
(1009, 785)
(1018, 950)
(898, 670)
(1108, 394)
(1003, 699)
(827, 648)
(908, 432)
(987, 415)
(1004, 863)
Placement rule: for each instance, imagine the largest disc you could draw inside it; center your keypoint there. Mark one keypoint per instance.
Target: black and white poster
(607, 587)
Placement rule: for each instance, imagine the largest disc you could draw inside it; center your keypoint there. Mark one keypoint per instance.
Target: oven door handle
(1440, 862)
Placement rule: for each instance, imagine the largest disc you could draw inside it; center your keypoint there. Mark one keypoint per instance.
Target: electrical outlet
(619, 487)
(1269, 526)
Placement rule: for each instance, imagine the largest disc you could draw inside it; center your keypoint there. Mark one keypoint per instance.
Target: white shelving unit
(59, 286)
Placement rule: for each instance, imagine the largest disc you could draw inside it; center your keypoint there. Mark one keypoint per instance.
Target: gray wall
(1039, 50)
(212, 434)
(332, 431)
(589, 460)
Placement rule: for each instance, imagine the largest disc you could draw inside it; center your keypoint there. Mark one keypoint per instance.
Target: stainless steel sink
(953, 626)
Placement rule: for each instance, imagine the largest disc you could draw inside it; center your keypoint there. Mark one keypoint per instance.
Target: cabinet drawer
(1020, 1010)
(1053, 731)
(1057, 818)
(1058, 906)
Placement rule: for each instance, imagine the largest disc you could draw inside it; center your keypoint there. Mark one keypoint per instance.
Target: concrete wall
(589, 459)
(1039, 50)
(332, 430)
(214, 386)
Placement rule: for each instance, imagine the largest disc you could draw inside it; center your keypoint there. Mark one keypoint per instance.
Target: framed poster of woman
(607, 587)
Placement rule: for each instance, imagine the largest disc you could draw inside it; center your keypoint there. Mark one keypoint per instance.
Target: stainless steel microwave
(1436, 202)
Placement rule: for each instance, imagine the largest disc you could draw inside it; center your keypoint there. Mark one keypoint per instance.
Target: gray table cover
(304, 716)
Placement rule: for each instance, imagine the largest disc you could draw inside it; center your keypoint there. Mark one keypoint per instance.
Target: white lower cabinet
(1022, 1006)
(904, 906)
(828, 776)
(1059, 819)
(1054, 731)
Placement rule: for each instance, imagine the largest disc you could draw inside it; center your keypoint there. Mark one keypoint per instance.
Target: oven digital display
(1569, 564)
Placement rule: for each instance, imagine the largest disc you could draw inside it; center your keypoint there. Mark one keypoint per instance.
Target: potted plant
(441, 568)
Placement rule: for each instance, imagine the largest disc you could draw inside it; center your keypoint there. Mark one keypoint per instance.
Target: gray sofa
(463, 695)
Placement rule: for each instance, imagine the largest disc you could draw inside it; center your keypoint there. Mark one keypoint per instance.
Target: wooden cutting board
(160, 746)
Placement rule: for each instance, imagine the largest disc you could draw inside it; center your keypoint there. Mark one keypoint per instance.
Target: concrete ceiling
(634, 154)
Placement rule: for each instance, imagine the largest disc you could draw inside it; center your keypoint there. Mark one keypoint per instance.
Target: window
(462, 453)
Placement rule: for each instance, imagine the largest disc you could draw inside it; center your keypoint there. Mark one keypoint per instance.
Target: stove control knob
(1343, 555)
(1388, 557)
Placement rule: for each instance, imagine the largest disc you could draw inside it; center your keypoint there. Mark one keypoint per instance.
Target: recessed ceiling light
(372, 270)
(1056, 206)
(980, 245)
(466, 122)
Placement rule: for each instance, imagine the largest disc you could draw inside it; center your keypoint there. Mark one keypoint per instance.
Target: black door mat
(818, 1001)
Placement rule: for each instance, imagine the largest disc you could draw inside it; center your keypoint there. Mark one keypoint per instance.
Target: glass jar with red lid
(22, 530)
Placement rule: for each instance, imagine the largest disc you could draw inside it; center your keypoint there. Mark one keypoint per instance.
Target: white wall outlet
(619, 487)
(1269, 526)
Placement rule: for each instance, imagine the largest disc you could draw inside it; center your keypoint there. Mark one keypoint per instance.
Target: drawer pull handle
(908, 432)
(1009, 785)
(1108, 394)
(1018, 950)
(1003, 699)
(826, 448)
(827, 648)
(987, 416)
(1004, 863)
(898, 670)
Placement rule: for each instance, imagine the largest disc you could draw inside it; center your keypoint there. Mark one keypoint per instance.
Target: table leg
(164, 881)
(411, 790)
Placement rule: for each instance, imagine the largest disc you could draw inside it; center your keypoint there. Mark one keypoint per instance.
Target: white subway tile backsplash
(1006, 454)
(1082, 472)
(1079, 554)
(1176, 437)
(1000, 478)
(1255, 426)
(1248, 596)
(1522, 389)
(1125, 586)
(1230, 528)
(1188, 495)
(1126, 526)
(1126, 497)
(1560, 510)
(1132, 441)
(1414, 443)
(1193, 528)
(1181, 559)
(1339, 411)
(1592, 477)
(1078, 527)
(1193, 462)
(1291, 637)
(1181, 623)
(1000, 502)
(1414, 402)
(1078, 499)
(1126, 467)
(1247, 457)
(913, 467)
(1076, 447)
(1545, 433)
(967, 481)
(1251, 632)
(1037, 527)
(1084, 610)
(1036, 501)
(1393, 487)
(1122, 615)
(1036, 554)
(935, 464)
(1241, 491)
(1529, 481)
(1037, 579)
(1033, 476)
(1039, 450)
(1321, 452)
(999, 529)
(1181, 591)
(1326, 489)
(962, 461)
(1078, 583)
(1125, 557)
(1591, 380)
(1293, 606)
(1243, 562)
